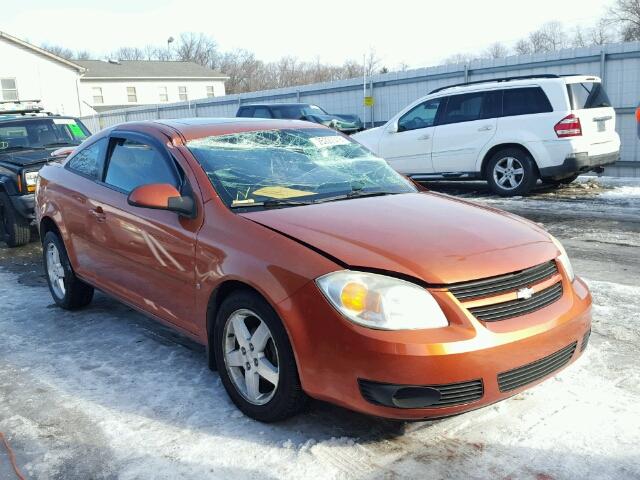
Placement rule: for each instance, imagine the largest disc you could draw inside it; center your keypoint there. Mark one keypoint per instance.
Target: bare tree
(371, 62)
(59, 51)
(460, 58)
(523, 47)
(197, 48)
(601, 33)
(550, 37)
(497, 50)
(128, 53)
(579, 39)
(626, 15)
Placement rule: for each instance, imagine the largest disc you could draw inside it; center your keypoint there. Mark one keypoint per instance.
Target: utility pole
(169, 42)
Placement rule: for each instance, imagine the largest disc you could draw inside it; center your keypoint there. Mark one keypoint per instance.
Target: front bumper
(579, 163)
(337, 358)
(24, 205)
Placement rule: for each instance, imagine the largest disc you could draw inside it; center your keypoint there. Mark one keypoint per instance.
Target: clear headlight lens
(564, 259)
(30, 179)
(381, 302)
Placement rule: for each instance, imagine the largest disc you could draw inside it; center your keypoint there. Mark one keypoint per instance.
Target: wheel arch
(503, 146)
(217, 296)
(48, 224)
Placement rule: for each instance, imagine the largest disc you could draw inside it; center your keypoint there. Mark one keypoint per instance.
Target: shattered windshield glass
(293, 167)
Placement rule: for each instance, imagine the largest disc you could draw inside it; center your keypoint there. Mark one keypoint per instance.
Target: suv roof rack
(506, 79)
(20, 107)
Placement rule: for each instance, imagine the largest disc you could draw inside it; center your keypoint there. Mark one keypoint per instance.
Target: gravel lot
(105, 393)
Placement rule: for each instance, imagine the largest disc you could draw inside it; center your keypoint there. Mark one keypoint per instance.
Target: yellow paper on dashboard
(281, 192)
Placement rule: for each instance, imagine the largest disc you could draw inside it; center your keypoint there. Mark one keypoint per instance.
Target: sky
(416, 33)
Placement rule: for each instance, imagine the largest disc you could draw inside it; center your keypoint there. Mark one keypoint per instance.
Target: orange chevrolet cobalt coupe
(309, 267)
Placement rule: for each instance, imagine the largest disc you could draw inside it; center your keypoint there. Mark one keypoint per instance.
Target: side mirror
(162, 196)
(62, 153)
(393, 128)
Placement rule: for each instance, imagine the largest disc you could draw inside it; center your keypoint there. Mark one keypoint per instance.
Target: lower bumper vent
(585, 340)
(521, 376)
(421, 396)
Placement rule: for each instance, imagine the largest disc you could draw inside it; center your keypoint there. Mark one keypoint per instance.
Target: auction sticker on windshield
(325, 142)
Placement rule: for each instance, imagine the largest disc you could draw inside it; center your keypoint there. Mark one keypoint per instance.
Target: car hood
(432, 237)
(330, 117)
(27, 157)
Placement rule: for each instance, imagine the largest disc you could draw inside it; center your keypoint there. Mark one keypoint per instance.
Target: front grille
(514, 308)
(450, 394)
(531, 372)
(503, 283)
(585, 340)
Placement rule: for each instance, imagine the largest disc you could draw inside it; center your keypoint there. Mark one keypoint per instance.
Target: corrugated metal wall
(618, 65)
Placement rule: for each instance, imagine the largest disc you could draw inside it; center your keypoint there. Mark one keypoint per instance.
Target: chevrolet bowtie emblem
(525, 293)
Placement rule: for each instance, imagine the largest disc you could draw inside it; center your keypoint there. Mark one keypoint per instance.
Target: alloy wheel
(251, 356)
(508, 173)
(55, 270)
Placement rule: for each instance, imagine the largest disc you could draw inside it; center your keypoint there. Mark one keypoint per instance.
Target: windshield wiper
(274, 203)
(60, 144)
(20, 147)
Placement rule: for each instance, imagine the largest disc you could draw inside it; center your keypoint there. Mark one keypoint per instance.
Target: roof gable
(41, 51)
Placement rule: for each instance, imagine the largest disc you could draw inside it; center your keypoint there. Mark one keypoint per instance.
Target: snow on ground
(104, 393)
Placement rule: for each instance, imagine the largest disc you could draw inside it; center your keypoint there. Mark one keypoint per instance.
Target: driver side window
(420, 116)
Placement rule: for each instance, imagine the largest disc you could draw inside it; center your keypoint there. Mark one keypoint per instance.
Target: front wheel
(255, 359)
(511, 172)
(15, 230)
(66, 289)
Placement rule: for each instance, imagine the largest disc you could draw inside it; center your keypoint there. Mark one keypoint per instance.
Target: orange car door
(147, 257)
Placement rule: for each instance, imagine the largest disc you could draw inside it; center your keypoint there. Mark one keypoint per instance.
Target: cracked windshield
(293, 167)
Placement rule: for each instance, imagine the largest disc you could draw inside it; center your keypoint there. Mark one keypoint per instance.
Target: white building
(106, 85)
(31, 73)
(84, 87)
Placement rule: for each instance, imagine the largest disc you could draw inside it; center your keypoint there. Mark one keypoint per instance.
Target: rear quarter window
(587, 95)
(245, 112)
(525, 101)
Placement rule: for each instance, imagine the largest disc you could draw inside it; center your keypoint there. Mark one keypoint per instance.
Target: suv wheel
(15, 230)
(255, 359)
(66, 289)
(511, 172)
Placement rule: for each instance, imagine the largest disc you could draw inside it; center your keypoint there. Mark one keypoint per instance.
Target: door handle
(485, 128)
(98, 213)
(426, 136)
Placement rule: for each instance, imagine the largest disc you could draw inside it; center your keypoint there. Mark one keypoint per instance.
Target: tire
(15, 230)
(66, 289)
(511, 172)
(240, 362)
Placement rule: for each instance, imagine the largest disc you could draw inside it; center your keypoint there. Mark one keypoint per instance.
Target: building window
(97, 95)
(210, 93)
(131, 95)
(9, 89)
(162, 91)
(182, 94)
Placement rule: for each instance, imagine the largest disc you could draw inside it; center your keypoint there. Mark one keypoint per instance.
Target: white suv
(510, 132)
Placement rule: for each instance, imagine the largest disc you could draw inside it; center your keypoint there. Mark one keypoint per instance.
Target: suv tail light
(569, 126)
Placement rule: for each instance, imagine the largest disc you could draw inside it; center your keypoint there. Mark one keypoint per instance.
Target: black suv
(27, 140)
(302, 111)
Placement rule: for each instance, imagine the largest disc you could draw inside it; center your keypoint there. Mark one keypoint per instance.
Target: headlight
(381, 302)
(564, 259)
(30, 179)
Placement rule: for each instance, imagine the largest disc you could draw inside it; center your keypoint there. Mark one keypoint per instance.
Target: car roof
(498, 83)
(13, 118)
(191, 128)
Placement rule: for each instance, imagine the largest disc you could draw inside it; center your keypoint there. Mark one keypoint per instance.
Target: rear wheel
(511, 172)
(255, 360)
(15, 230)
(66, 289)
